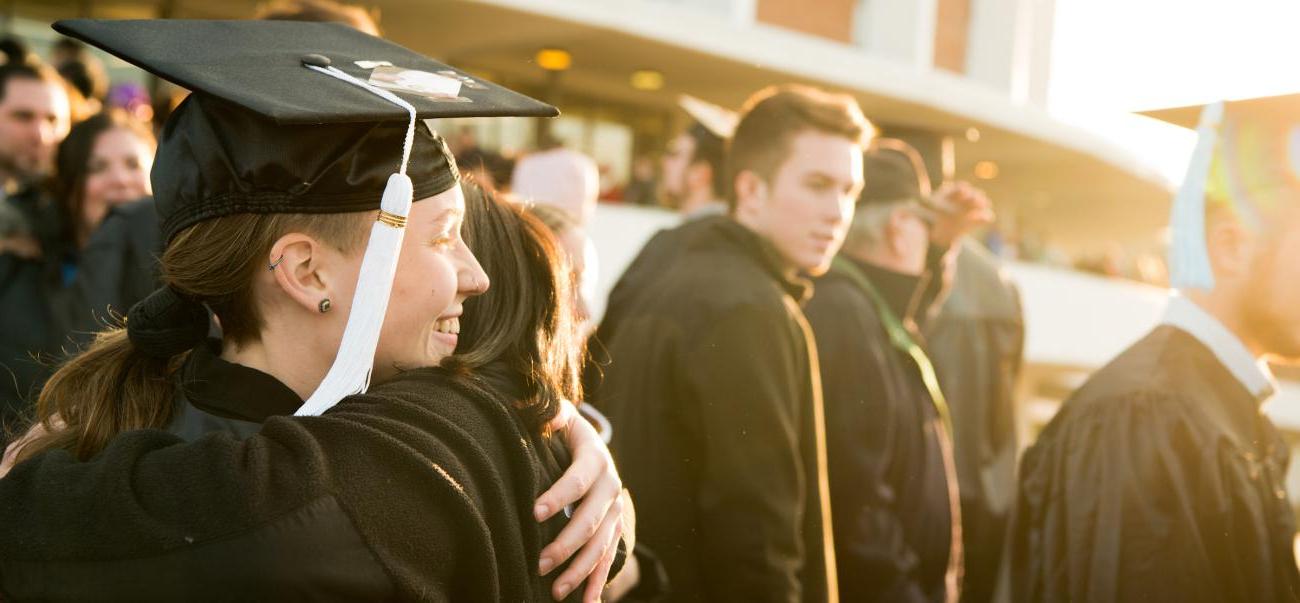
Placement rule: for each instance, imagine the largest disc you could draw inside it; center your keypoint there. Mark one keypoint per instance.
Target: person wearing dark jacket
(34, 118)
(977, 344)
(712, 384)
(1161, 479)
(421, 489)
(893, 485)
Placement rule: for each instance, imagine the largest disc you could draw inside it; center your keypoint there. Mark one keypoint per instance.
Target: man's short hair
(771, 119)
(28, 71)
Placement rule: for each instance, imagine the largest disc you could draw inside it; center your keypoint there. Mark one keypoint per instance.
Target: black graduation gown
(716, 414)
(1158, 480)
(650, 264)
(421, 489)
(889, 454)
(977, 345)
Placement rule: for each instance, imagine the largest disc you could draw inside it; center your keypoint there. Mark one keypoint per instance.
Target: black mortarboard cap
(1247, 157)
(262, 133)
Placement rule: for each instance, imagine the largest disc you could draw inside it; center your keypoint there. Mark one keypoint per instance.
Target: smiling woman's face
(436, 272)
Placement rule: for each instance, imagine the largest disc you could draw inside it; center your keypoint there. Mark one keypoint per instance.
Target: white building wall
(1009, 47)
(898, 30)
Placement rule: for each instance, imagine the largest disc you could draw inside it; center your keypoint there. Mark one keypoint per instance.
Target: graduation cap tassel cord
(1189, 261)
(350, 373)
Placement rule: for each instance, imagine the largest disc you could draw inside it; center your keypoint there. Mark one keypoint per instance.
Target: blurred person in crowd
(893, 482)
(329, 11)
(34, 119)
(568, 180)
(14, 50)
(387, 496)
(84, 72)
(483, 165)
(102, 184)
(641, 187)
(650, 579)
(693, 181)
(560, 176)
(1160, 478)
(573, 242)
(977, 345)
(712, 386)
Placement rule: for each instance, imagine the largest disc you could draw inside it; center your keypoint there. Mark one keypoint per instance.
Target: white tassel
(1189, 260)
(350, 373)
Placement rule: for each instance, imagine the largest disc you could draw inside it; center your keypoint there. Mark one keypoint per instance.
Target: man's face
(33, 121)
(806, 208)
(676, 160)
(1271, 304)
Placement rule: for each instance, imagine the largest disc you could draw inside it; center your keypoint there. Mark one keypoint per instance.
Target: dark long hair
(72, 165)
(521, 334)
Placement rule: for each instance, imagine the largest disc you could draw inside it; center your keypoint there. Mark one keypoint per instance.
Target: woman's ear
(301, 270)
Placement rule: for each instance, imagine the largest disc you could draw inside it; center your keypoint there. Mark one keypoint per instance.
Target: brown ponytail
(113, 386)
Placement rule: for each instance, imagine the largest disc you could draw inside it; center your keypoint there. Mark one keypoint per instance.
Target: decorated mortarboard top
(258, 65)
(296, 117)
(1247, 156)
(287, 117)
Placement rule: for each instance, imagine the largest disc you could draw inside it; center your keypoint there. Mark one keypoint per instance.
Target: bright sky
(1113, 56)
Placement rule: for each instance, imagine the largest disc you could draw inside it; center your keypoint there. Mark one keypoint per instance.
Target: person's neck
(787, 269)
(289, 360)
(695, 200)
(882, 258)
(1224, 306)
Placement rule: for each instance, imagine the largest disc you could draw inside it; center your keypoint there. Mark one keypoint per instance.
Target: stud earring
(324, 305)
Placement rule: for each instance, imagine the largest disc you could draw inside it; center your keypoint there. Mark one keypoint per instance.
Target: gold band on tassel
(393, 220)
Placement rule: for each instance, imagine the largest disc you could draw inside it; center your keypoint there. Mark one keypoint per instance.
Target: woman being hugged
(267, 185)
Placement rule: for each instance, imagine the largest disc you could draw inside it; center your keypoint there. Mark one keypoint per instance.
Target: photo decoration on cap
(1246, 159)
(413, 81)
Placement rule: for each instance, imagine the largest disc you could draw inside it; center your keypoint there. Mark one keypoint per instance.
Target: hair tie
(167, 323)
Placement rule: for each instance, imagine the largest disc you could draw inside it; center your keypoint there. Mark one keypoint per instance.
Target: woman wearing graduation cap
(267, 180)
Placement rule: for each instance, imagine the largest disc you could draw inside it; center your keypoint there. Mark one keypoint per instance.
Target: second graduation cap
(300, 117)
(1247, 158)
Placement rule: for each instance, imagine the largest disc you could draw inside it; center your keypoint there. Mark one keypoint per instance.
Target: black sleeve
(934, 285)
(428, 493)
(742, 375)
(874, 561)
(1122, 503)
